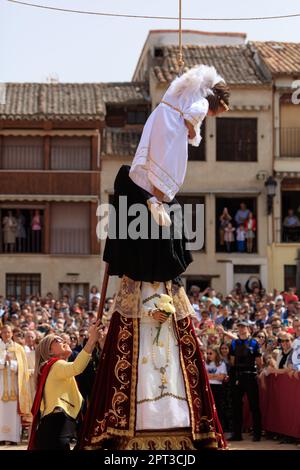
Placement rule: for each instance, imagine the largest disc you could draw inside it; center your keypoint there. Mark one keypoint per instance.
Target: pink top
(36, 224)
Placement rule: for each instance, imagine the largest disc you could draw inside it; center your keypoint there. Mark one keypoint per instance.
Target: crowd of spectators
(273, 318)
(274, 321)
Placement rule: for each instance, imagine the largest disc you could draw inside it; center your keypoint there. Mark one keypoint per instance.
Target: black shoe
(256, 438)
(235, 437)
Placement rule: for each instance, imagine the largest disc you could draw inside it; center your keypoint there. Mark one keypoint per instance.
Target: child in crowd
(216, 370)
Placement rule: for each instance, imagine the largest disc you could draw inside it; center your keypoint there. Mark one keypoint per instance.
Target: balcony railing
(70, 241)
(29, 241)
(286, 234)
(290, 142)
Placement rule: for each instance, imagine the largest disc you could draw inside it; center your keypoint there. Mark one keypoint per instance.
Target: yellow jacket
(61, 388)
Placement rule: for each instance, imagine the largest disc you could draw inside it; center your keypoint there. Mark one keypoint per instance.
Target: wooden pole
(103, 292)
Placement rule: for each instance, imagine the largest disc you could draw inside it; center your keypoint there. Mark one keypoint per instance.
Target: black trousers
(247, 384)
(55, 432)
(217, 391)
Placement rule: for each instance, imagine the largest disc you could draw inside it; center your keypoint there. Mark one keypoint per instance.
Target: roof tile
(235, 63)
(65, 101)
(281, 58)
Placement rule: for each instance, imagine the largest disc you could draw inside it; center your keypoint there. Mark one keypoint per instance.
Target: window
(290, 275)
(201, 281)
(70, 153)
(70, 228)
(234, 204)
(22, 230)
(158, 52)
(22, 286)
(137, 116)
(115, 116)
(22, 153)
(198, 223)
(246, 269)
(290, 223)
(198, 153)
(237, 139)
(73, 290)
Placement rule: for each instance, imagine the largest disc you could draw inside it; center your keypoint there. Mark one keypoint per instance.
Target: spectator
(262, 339)
(225, 218)
(296, 345)
(242, 214)
(216, 370)
(290, 295)
(229, 237)
(250, 228)
(241, 238)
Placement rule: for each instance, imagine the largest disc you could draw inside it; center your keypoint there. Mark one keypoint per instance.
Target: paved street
(246, 444)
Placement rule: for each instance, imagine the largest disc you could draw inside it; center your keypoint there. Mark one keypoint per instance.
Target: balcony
(290, 142)
(290, 235)
(70, 241)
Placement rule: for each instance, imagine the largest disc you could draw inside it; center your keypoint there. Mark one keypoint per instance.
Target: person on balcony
(21, 232)
(291, 226)
(250, 228)
(242, 214)
(36, 227)
(9, 225)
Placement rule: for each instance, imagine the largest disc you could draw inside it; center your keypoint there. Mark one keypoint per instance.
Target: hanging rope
(120, 15)
(180, 60)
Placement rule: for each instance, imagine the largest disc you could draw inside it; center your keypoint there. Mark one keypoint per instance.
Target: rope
(120, 15)
(180, 60)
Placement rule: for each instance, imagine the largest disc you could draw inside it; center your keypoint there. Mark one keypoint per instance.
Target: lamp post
(271, 185)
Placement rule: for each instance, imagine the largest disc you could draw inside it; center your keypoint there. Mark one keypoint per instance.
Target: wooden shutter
(237, 139)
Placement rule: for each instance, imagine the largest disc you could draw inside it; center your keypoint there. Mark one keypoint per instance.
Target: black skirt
(145, 259)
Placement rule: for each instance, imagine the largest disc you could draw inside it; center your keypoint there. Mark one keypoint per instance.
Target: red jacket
(253, 225)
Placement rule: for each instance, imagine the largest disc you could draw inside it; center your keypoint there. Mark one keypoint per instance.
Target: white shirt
(296, 353)
(211, 368)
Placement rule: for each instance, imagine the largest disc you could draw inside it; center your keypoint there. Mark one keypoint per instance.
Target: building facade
(61, 146)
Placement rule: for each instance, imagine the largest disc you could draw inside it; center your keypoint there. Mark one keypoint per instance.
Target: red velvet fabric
(111, 412)
(279, 404)
(37, 400)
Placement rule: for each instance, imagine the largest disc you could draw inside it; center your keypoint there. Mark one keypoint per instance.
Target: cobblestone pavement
(246, 444)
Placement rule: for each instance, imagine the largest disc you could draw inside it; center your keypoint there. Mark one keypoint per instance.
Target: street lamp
(271, 185)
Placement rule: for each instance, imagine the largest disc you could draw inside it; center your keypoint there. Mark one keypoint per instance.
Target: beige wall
(279, 256)
(53, 269)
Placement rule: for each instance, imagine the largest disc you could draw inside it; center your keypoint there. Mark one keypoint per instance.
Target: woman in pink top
(36, 228)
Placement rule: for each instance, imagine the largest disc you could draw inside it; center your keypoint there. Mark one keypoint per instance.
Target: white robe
(10, 420)
(162, 154)
(159, 408)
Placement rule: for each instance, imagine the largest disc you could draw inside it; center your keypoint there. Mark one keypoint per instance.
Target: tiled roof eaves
(235, 63)
(68, 101)
(281, 58)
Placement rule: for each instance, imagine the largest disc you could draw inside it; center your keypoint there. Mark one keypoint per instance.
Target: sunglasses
(57, 340)
(285, 340)
(261, 337)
